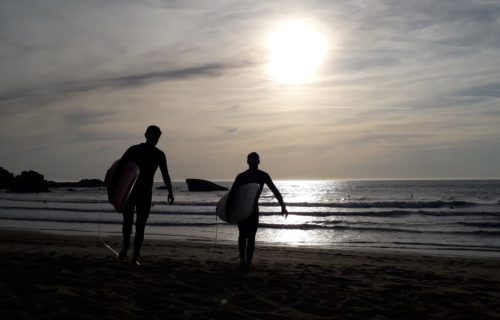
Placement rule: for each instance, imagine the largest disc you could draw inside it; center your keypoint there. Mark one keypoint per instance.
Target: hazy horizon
(391, 90)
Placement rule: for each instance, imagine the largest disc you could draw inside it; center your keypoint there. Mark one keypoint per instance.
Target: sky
(403, 90)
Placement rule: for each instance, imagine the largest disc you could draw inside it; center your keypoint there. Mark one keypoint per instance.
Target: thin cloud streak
(122, 82)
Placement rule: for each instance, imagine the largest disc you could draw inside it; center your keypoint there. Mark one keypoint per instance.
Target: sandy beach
(47, 276)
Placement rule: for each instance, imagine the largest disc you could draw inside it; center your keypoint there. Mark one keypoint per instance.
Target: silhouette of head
(253, 160)
(152, 135)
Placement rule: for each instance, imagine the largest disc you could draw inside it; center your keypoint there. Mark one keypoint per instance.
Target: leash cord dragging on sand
(216, 237)
(101, 239)
(99, 229)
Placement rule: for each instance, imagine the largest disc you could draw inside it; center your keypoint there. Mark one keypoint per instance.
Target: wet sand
(46, 276)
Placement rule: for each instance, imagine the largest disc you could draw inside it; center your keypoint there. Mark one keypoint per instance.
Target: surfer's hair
(253, 157)
(152, 131)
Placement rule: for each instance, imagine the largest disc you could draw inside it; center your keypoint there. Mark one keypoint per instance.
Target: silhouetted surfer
(248, 227)
(148, 157)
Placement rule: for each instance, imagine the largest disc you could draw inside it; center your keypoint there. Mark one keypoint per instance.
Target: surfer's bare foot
(122, 254)
(135, 262)
(135, 259)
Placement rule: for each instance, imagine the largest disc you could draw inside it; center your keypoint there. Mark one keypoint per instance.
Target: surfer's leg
(250, 250)
(246, 239)
(128, 220)
(242, 242)
(143, 208)
(251, 243)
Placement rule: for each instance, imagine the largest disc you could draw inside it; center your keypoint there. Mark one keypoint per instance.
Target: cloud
(84, 116)
(227, 130)
(490, 90)
(52, 91)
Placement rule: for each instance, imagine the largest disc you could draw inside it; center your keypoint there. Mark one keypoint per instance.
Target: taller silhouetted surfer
(148, 157)
(248, 227)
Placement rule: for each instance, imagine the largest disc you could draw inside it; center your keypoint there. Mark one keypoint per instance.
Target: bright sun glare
(296, 50)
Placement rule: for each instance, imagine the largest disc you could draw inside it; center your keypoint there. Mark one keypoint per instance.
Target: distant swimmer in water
(148, 157)
(248, 227)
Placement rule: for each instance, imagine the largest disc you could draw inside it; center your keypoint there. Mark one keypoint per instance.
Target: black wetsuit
(148, 158)
(248, 227)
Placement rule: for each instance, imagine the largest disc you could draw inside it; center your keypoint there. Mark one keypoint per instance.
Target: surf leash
(99, 229)
(216, 237)
(112, 250)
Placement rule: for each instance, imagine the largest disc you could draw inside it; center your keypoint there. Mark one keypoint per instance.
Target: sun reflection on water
(292, 237)
(302, 191)
(300, 228)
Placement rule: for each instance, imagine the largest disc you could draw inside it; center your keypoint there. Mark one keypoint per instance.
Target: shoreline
(56, 276)
(481, 253)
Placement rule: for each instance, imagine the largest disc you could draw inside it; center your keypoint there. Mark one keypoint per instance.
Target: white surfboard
(243, 205)
(120, 181)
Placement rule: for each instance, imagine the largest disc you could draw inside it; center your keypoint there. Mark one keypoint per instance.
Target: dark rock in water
(90, 183)
(29, 181)
(85, 183)
(6, 179)
(203, 185)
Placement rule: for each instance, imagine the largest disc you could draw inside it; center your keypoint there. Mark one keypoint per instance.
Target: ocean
(449, 217)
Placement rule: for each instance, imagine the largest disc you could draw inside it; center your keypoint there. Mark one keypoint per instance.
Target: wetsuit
(248, 227)
(148, 158)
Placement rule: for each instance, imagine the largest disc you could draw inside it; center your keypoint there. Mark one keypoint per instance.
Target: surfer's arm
(166, 179)
(278, 195)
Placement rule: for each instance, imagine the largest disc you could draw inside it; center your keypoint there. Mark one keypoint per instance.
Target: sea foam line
(306, 227)
(171, 210)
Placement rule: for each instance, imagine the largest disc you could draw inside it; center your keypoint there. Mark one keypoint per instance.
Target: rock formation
(203, 185)
(84, 183)
(6, 179)
(29, 181)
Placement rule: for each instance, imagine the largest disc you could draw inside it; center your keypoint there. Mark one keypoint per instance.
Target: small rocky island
(84, 183)
(203, 185)
(29, 181)
(32, 181)
(6, 179)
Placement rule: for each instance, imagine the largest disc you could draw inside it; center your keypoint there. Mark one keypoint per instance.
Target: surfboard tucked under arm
(120, 180)
(243, 203)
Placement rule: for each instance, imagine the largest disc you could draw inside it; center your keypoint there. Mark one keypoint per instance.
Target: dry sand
(46, 276)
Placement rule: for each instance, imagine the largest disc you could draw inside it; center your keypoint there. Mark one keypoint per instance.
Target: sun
(296, 50)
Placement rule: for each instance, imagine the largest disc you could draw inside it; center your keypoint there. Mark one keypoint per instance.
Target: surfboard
(243, 205)
(120, 180)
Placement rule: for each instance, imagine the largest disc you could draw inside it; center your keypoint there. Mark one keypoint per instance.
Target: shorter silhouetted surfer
(148, 157)
(248, 227)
